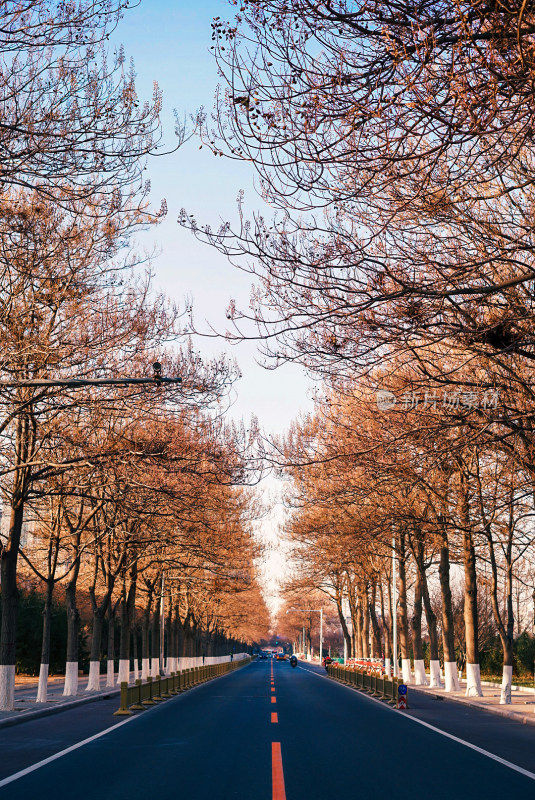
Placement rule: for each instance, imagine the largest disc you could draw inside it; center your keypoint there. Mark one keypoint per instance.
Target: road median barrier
(142, 695)
(372, 682)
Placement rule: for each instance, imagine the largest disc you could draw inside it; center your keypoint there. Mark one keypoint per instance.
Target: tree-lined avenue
(222, 740)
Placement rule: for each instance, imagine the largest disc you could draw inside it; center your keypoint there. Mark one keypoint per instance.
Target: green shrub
(525, 654)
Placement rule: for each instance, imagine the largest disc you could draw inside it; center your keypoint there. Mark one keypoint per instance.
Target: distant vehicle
(281, 656)
(262, 655)
(326, 661)
(293, 661)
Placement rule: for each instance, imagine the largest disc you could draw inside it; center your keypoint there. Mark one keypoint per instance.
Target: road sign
(402, 689)
(402, 702)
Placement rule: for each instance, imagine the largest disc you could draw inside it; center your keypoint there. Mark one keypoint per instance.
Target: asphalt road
(300, 737)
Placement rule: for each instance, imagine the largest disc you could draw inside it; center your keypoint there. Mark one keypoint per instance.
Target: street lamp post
(394, 611)
(74, 383)
(162, 625)
(317, 611)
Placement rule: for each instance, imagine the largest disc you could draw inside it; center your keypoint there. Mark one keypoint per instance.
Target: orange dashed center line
(277, 773)
(274, 717)
(273, 699)
(272, 689)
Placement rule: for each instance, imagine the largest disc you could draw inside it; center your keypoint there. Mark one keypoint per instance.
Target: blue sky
(170, 42)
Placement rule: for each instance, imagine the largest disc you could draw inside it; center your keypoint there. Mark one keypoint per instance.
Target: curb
(26, 716)
(139, 712)
(523, 719)
(23, 716)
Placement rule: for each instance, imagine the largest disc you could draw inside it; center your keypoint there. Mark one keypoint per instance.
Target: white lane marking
(33, 767)
(502, 761)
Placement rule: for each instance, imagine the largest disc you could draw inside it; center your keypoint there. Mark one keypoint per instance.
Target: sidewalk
(521, 710)
(26, 691)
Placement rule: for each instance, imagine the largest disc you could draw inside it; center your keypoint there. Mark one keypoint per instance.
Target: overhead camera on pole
(74, 383)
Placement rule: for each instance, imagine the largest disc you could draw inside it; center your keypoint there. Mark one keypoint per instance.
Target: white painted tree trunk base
(420, 677)
(171, 663)
(507, 682)
(136, 670)
(473, 681)
(388, 668)
(71, 679)
(406, 670)
(155, 667)
(7, 687)
(93, 684)
(435, 680)
(42, 686)
(145, 668)
(110, 674)
(451, 677)
(123, 675)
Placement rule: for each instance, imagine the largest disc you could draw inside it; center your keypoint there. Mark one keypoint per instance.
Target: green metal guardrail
(374, 683)
(155, 690)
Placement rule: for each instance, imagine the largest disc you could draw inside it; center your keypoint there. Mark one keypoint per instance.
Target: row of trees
(104, 487)
(154, 516)
(369, 488)
(396, 143)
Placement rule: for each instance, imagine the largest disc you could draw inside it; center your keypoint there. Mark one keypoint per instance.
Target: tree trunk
(434, 663)
(93, 683)
(42, 688)
(131, 618)
(473, 677)
(451, 676)
(110, 669)
(135, 651)
(123, 674)
(403, 617)
(505, 631)
(73, 632)
(420, 678)
(387, 627)
(355, 650)
(171, 642)
(99, 614)
(145, 648)
(507, 639)
(180, 636)
(155, 665)
(341, 617)
(10, 599)
(365, 616)
(9, 596)
(376, 629)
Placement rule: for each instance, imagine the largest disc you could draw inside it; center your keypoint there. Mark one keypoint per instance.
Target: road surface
(270, 732)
